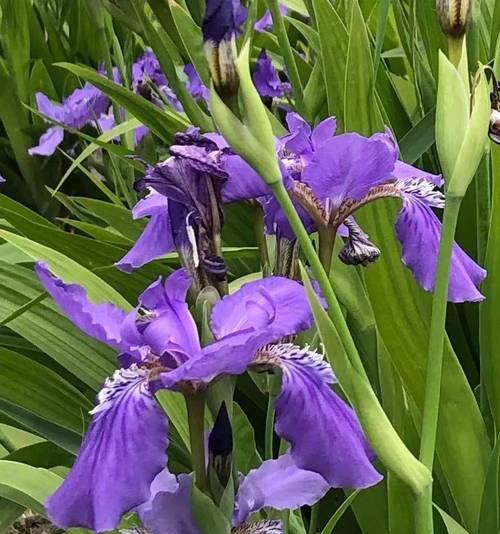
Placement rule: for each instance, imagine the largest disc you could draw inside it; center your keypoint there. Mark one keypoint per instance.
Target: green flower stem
(313, 523)
(269, 436)
(435, 355)
(334, 310)
(326, 243)
(196, 419)
(286, 49)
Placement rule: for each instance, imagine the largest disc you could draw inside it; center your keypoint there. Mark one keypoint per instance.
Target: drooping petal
(279, 484)
(170, 512)
(324, 433)
(122, 453)
(277, 305)
(101, 321)
(156, 239)
(48, 142)
(403, 171)
(347, 166)
(419, 230)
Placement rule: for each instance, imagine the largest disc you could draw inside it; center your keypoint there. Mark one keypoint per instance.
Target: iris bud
(454, 16)
(494, 131)
(220, 453)
(221, 25)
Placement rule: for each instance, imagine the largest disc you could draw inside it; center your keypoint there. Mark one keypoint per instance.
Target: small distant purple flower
(265, 23)
(124, 449)
(83, 106)
(266, 79)
(196, 88)
(147, 77)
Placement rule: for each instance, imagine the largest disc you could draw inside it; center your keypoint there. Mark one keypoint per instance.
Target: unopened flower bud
(221, 24)
(220, 451)
(454, 16)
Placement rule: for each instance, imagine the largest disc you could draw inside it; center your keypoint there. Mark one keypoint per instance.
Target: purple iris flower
(83, 106)
(185, 194)
(277, 484)
(124, 449)
(265, 23)
(196, 88)
(266, 80)
(334, 175)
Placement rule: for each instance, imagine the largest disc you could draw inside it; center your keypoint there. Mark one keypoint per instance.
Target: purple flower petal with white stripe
(279, 484)
(418, 229)
(101, 321)
(324, 433)
(122, 453)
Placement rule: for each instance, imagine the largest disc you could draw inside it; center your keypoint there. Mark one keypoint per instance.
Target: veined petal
(324, 433)
(101, 321)
(48, 142)
(275, 304)
(419, 230)
(279, 484)
(347, 166)
(122, 453)
(156, 239)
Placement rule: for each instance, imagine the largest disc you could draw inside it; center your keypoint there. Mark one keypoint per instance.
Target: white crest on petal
(260, 527)
(287, 353)
(114, 386)
(423, 190)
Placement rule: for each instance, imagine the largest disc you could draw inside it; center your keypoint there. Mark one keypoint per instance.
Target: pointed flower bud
(221, 24)
(220, 449)
(454, 16)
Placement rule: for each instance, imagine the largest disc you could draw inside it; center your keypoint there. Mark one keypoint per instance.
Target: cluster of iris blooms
(123, 464)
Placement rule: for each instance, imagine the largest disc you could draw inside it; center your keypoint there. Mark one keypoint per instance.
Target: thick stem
(196, 419)
(435, 359)
(313, 523)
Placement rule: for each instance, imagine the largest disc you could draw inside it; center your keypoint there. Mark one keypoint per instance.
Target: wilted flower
(221, 23)
(124, 449)
(266, 78)
(184, 202)
(265, 23)
(454, 16)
